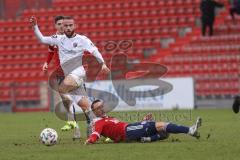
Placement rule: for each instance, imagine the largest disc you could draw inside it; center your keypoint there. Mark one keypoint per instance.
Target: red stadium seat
(146, 23)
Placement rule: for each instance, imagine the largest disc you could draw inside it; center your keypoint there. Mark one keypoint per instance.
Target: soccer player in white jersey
(53, 56)
(71, 49)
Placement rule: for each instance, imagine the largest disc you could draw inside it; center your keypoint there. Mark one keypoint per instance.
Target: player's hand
(87, 142)
(33, 21)
(105, 69)
(45, 67)
(148, 117)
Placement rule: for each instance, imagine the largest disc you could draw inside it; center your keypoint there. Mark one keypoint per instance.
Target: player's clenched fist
(45, 67)
(33, 21)
(105, 69)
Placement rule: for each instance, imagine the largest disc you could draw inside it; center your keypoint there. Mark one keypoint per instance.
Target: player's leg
(159, 136)
(73, 80)
(236, 104)
(68, 103)
(82, 100)
(68, 84)
(55, 82)
(76, 133)
(174, 128)
(134, 131)
(164, 129)
(232, 11)
(137, 131)
(76, 81)
(204, 27)
(210, 27)
(84, 103)
(155, 131)
(71, 83)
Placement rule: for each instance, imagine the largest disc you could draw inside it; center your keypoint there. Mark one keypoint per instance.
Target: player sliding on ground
(145, 131)
(71, 48)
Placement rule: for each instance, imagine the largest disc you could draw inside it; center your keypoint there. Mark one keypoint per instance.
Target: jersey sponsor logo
(75, 44)
(54, 36)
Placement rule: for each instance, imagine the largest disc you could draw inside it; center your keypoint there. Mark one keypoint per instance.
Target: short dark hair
(68, 17)
(57, 18)
(95, 101)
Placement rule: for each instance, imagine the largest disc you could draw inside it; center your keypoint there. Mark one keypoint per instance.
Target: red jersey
(108, 127)
(53, 54)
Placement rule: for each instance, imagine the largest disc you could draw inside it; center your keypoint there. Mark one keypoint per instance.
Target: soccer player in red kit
(144, 131)
(53, 50)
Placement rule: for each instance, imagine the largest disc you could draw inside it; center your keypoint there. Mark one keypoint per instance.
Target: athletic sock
(87, 117)
(173, 128)
(155, 137)
(70, 116)
(151, 138)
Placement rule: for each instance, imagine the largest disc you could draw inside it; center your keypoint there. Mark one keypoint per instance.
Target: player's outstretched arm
(41, 38)
(97, 128)
(92, 138)
(90, 47)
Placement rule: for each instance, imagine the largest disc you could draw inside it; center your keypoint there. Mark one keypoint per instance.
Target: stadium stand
(148, 24)
(213, 61)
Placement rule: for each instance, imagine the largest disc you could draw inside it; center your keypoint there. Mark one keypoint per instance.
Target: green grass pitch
(220, 138)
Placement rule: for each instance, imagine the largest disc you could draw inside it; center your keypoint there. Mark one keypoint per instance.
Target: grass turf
(219, 138)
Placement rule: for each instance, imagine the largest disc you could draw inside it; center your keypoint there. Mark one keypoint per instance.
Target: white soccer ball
(48, 137)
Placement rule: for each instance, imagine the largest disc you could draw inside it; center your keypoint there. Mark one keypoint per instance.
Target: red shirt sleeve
(50, 54)
(97, 130)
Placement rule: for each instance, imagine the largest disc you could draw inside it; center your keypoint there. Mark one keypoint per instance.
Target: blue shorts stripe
(131, 128)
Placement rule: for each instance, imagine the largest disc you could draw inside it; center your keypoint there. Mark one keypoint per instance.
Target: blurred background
(162, 31)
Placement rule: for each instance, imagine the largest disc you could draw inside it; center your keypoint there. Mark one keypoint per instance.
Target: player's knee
(160, 126)
(62, 89)
(65, 97)
(65, 88)
(73, 80)
(84, 103)
(67, 85)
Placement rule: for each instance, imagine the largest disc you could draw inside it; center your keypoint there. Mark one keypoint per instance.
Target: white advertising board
(181, 96)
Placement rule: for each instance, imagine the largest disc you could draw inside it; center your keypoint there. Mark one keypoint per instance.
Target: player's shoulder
(101, 119)
(82, 37)
(97, 119)
(58, 36)
(54, 36)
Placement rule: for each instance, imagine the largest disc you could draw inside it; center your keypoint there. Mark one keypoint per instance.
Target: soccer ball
(48, 137)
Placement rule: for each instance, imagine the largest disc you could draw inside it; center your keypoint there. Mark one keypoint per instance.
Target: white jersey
(71, 50)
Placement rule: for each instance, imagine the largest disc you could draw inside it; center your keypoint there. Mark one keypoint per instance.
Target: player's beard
(69, 34)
